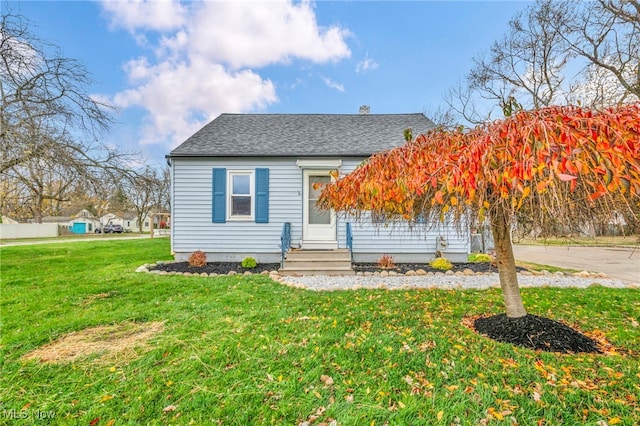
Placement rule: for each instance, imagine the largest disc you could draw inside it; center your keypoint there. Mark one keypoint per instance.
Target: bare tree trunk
(506, 263)
(37, 209)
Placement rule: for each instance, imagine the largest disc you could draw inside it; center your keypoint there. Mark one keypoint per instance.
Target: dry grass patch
(107, 342)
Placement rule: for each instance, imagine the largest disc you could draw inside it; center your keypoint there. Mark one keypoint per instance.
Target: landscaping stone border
(420, 279)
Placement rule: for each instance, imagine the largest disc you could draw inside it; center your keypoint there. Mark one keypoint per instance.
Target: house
(128, 221)
(243, 185)
(83, 223)
(8, 221)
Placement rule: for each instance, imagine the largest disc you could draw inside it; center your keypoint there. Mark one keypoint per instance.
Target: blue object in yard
(79, 228)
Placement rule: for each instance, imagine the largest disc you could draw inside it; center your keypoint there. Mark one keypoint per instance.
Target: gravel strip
(476, 282)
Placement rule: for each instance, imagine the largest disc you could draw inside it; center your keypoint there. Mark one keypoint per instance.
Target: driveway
(617, 262)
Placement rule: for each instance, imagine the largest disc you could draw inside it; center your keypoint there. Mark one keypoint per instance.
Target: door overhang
(319, 164)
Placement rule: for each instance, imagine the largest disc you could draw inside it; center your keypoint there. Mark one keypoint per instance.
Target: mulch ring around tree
(539, 333)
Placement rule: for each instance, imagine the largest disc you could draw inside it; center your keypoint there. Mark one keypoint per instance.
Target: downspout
(171, 198)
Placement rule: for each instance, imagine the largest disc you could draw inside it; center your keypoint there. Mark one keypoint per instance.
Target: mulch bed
(402, 268)
(537, 333)
(223, 268)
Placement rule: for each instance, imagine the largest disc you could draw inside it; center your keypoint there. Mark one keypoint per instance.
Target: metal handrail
(349, 239)
(285, 241)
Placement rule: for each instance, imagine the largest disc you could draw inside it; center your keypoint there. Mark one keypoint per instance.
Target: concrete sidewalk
(98, 237)
(617, 262)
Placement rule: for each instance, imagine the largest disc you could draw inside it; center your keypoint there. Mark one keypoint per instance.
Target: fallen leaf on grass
(492, 412)
(327, 380)
(169, 408)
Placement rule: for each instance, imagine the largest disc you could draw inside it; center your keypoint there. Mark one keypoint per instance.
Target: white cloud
(332, 84)
(146, 14)
(366, 64)
(181, 97)
(206, 59)
(254, 34)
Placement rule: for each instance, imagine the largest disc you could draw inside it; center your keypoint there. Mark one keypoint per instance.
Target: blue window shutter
(219, 200)
(262, 195)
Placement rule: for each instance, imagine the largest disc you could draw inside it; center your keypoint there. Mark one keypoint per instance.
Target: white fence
(161, 232)
(28, 230)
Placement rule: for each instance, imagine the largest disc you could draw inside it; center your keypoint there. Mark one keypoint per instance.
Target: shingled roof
(298, 135)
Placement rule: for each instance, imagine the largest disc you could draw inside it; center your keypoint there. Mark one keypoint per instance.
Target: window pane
(240, 206)
(314, 194)
(241, 184)
(318, 216)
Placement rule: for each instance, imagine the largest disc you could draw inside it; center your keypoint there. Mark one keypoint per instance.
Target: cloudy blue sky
(171, 66)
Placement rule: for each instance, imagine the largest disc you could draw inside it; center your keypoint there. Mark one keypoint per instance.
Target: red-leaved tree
(552, 166)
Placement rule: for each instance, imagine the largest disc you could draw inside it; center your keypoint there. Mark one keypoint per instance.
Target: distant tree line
(52, 156)
(555, 52)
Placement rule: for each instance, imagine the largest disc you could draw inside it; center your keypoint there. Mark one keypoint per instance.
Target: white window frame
(252, 194)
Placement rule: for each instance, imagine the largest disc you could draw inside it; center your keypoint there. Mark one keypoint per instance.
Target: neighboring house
(242, 177)
(128, 221)
(81, 223)
(60, 220)
(8, 221)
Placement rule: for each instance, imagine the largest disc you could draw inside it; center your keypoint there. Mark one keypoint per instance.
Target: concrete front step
(310, 263)
(341, 254)
(317, 262)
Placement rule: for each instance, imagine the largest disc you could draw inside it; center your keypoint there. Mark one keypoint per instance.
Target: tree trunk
(506, 263)
(37, 209)
(140, 222)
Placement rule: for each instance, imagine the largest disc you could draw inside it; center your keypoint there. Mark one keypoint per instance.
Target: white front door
(319, 226)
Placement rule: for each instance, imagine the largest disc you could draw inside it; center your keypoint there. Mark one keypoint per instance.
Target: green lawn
(245, 350)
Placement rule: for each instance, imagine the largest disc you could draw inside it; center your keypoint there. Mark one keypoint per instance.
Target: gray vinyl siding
(193, 229)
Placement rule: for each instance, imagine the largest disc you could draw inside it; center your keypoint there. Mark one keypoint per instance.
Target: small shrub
(249, 263)
(198, 259)
(386, 261)
(480, 258)
(441, 263)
